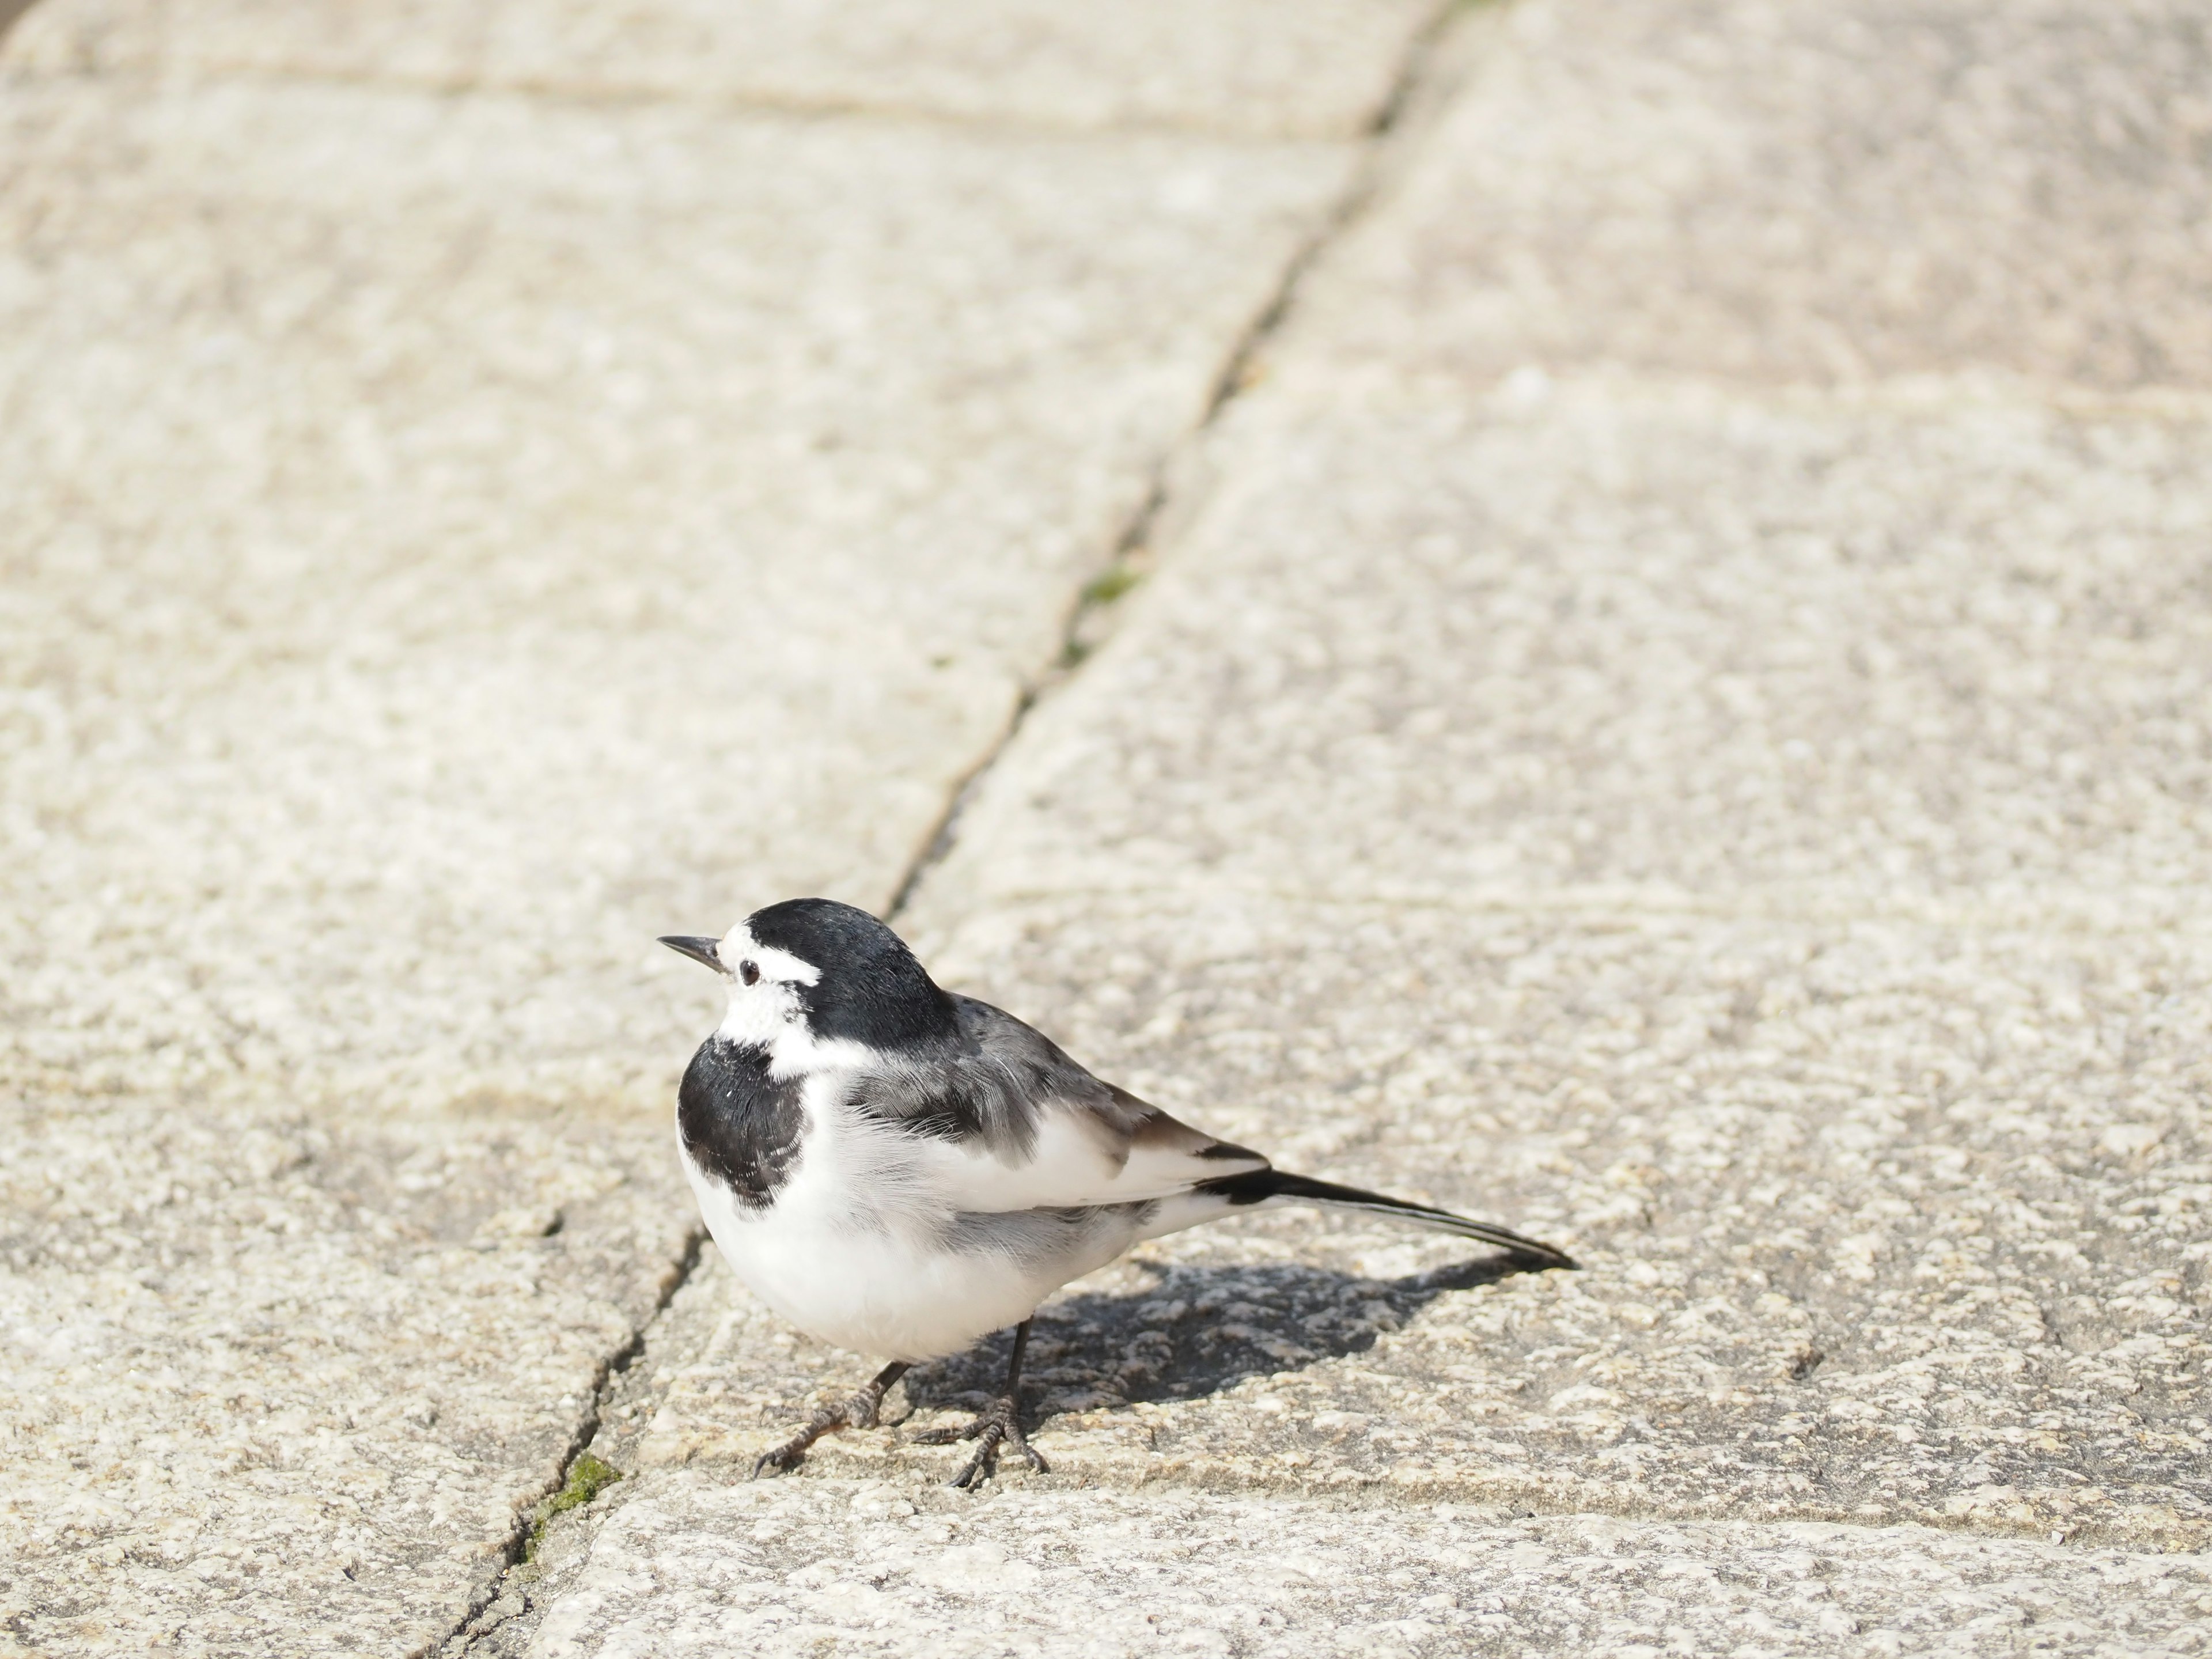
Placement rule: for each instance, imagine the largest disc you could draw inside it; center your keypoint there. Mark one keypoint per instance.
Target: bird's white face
(764, 1008)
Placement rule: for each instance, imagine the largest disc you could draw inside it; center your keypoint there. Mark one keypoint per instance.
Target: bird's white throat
(767, 1013)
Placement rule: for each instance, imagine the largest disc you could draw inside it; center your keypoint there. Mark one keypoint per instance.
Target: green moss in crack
(588, 1476)
(1110, 584)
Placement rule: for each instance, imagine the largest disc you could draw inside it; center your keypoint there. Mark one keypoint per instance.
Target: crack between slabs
(1121, 570)
(763, 104)
(1129, 561)
(763, 101)
(1603, 908)
(530, 1520)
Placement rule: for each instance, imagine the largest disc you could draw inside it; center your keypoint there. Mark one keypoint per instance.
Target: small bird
(898, 1169)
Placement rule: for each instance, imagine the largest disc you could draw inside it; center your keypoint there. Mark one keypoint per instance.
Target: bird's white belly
(889, 1282)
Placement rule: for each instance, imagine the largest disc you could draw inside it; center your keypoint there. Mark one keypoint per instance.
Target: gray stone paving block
(1757, 840)
(275, 1384)
(1794, 190)
(451, 542)
(1879, 1222)
(1608, 647)
(1296, 69)
(691, 1563)
(448, 542)
(1870, 1228)
(1760, 841)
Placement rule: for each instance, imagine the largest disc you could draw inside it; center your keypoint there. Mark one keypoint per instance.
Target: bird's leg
(999, 1424)
(856, 1410)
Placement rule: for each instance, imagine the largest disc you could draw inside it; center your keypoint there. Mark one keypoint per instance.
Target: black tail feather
(1257, 1186)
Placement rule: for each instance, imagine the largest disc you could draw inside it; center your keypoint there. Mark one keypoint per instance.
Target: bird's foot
(856, 1410)
(998, 1425)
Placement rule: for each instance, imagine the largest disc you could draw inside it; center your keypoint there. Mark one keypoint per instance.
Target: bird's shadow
(1196, 1331)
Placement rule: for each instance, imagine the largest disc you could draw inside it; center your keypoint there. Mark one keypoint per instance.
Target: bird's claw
(857, 1411)
(782, 1459)
(999, 1424)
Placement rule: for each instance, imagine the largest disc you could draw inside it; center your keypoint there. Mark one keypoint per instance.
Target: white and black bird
(899, 1171)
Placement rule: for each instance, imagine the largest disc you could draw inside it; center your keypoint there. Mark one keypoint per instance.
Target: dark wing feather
(1008, 1090)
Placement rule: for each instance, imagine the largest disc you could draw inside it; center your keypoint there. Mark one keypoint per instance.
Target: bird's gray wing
(1019, 1124)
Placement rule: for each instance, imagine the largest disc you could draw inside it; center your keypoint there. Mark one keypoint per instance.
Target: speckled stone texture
(1246, 68)
(694, 1565)
(1782, 192)
(1671, 712)
(1757, 836)
(452, 534)
(452, 541)
(276, 1383)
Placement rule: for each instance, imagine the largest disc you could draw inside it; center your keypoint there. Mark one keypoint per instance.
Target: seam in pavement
(2056, 918)
(1118, 572)
(761, 103)
(1129, 562)
(528, 1519)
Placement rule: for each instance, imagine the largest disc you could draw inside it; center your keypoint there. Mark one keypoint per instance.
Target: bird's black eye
(749, 972)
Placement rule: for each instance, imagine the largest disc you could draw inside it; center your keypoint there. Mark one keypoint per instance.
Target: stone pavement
(467, 514)
(1669, 708)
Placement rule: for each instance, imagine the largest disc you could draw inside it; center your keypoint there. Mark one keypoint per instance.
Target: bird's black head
(872, 989)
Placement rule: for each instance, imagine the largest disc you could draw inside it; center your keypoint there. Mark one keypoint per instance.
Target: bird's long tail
(1259, 1185)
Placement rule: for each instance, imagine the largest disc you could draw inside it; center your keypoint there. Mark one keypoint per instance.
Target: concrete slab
(1604, 645)
(1757, 842)
(1771, 190)
(1869, 1231)
(1753, 834)
(448, 542)
(1666, 715)
(1303, 69)
(279, 1384)
(453, 541)
(686, 1562)
(1757, 837)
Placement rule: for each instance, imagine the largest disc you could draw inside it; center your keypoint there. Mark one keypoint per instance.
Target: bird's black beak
(699, 949)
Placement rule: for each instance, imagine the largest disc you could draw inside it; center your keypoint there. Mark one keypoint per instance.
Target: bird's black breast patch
(740, 1126)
